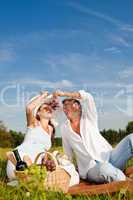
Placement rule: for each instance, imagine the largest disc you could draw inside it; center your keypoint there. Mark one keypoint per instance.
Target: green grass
(36, 191)
(24, 192)
(130, 163)
(3, 153)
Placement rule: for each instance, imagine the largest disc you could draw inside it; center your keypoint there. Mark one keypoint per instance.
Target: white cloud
(113, 50)
(104, 84)
(126, 73)
(99, 15)
(13, 117)
(45, 83)
(109, 117)
(70, 62)
(6, 55)
(109, 19)
(128, 28)
(7, 52)
(120, 40)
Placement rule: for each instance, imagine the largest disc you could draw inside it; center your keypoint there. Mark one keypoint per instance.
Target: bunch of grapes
(34, 181)
(36, 172)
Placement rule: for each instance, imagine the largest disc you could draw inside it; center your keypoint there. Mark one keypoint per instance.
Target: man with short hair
(96, 160)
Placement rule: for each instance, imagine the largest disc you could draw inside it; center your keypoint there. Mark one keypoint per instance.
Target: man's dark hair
(72, 100)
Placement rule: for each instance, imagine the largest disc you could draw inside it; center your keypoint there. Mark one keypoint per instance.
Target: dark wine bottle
(20, 165)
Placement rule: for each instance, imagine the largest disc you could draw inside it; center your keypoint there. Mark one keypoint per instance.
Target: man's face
(70, 109)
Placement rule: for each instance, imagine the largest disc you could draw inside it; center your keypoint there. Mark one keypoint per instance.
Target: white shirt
(36, 140)
(91, 145)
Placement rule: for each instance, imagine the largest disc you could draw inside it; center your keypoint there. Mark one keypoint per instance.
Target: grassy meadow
(36, 191)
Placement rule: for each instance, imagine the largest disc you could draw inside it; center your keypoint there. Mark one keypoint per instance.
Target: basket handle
(37, 157)
(45, 157)
(53, 158)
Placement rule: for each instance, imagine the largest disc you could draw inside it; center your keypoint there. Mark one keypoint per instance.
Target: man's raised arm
(67, 94)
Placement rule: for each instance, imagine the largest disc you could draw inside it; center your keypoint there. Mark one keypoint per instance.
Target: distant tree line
(9, 138)
(12, 138)
(113, 136)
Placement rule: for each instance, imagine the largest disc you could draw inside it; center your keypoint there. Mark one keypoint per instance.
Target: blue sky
(67, 45)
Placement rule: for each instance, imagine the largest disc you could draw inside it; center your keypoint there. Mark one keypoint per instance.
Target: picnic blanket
(87, 188)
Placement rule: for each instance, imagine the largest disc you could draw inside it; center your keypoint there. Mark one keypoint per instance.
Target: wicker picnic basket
(57, 180)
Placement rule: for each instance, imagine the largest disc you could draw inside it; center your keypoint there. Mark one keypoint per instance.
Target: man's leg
(122, 152)
(105, 173)
(112, 170)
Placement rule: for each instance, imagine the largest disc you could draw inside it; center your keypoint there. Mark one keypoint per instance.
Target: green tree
(2, 126)
(16, 138)
(129, 127)
(5, 137)
(9, 138)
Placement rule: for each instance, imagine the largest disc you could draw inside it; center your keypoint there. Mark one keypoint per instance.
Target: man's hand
(66, 94)
(58, 93)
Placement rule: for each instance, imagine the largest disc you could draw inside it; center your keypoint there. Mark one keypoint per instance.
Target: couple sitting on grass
(96, 160)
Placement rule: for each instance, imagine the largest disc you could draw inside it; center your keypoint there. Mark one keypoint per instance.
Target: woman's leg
(105, 173)
(10, 170)
(122, 152)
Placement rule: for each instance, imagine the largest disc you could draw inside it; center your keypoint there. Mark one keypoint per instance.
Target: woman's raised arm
(31, 106)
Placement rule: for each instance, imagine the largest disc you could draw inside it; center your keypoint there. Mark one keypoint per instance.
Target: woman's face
(45, 111)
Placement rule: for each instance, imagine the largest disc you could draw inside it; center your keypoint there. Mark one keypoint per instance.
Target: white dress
(36, 140)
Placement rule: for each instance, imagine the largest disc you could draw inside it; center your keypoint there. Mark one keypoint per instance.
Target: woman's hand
(54, 104)
(44, 93)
